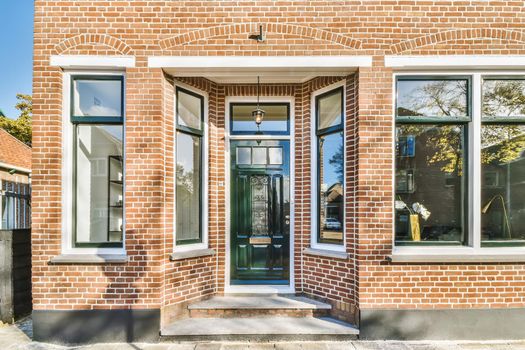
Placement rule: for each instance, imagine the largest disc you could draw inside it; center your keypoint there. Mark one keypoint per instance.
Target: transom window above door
(276, 119)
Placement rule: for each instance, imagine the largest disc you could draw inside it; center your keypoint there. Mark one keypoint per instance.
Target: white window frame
(472, 251)
(67, 168)
(314, 194)
(204, 173)
(262, 288)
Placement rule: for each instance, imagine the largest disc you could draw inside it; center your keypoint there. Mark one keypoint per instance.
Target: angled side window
(329, 193)
(189, 172)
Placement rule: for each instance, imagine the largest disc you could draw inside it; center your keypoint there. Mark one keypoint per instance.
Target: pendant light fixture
(258, 113)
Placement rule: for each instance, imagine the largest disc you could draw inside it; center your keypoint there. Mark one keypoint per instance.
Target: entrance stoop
(259, 318)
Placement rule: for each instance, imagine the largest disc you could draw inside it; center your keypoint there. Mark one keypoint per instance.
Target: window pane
(259, 155)
(430, 186)
(244, 155)
(189, 110)
(188, 193)
(99, 197)
(275, 118)
(432, 98)
(276, 155)
(329, 108)
(504, 98)
(97, 98)
(503, 183)
(331, 174)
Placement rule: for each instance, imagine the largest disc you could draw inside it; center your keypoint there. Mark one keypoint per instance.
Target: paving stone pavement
(18, 337)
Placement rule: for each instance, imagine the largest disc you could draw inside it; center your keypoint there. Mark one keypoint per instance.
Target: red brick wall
(143, 28)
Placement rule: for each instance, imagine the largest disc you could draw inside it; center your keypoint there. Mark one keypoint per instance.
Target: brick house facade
(387, 290)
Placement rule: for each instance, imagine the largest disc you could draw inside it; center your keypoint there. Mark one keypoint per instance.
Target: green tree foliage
(20, 127)
(337, 161)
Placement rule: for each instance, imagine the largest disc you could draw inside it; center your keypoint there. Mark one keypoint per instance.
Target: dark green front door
(260, 212)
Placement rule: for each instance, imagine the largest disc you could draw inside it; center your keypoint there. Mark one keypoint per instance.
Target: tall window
(329, 110)
(97, 114)
(460, 160)
(503, 161)
(189, 172)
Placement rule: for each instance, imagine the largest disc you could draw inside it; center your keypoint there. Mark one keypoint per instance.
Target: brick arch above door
(286, 32)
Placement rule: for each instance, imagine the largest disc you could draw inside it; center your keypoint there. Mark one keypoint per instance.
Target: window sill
(457, 255)
(326, 253)
(197, 253)
(89, 259)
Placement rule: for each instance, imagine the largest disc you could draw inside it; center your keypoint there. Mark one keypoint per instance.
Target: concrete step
(259, 329)
(249, 306)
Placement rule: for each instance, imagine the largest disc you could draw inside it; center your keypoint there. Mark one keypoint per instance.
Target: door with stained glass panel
(260, 212)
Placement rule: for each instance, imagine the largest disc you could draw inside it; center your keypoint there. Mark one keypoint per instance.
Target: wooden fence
(15, 274)
(15, 205)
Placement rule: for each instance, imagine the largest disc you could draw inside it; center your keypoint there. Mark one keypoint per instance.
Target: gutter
(17, 168)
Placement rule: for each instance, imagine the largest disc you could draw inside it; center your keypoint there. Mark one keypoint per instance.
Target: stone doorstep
(259, 328)
(274, 302)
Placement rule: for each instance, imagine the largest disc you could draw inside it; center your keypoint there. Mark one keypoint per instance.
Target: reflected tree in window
(503, 162)
(436, 98)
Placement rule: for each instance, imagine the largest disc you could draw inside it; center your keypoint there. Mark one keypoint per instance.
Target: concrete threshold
(259, 302)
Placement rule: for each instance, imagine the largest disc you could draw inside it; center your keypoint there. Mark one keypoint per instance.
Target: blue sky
(16, 52)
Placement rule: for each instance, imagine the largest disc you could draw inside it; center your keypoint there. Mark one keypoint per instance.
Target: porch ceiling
(271, 69)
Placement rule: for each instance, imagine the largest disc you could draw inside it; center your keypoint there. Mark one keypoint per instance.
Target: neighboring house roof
(14, 152)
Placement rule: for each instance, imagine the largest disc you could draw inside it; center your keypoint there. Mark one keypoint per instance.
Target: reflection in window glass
(189, 109)
(97, 98)
(504, 98)
(430, 186)
(503, 185)
(244, 155)
(330, 109)
(188, 191)
(432, 98)
(275, 154)
(275, 118)
(331, 196)
(259, 155)
(98, 211)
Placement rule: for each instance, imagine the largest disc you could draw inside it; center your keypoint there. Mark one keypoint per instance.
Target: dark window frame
(96, 119)
(425, 120)
(499, 120)
(93, 121)
(261, 104)
(192, 132)
(318, 134)
(429, 119)
(184, 128)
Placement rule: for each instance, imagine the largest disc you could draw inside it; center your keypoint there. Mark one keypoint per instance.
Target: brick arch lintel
(87, 38)
(457, 34)
(252, 28)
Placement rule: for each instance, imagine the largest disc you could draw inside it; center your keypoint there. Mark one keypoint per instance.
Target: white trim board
(92, 61)
(455, 62)
(314, 195)
(205, 144)
(67, 171)
(273, 69)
